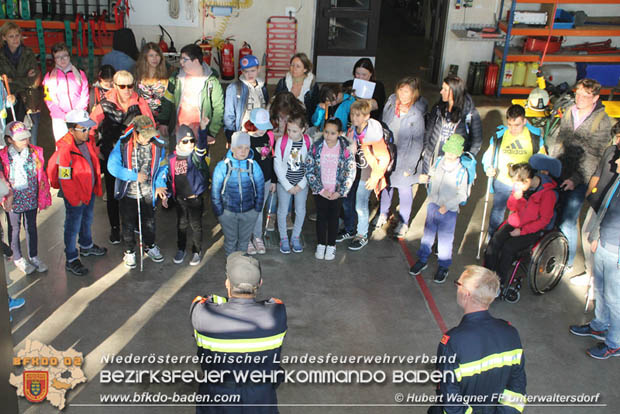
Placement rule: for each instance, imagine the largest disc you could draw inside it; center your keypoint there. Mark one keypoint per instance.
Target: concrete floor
(364, 303)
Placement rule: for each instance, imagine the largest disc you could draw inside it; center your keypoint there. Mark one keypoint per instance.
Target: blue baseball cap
(260, 119)
(249, 61)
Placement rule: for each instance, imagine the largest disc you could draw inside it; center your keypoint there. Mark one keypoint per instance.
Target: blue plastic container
(563, 20)
(607, 74)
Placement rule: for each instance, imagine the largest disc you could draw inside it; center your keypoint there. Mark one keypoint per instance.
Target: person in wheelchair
(532, 210)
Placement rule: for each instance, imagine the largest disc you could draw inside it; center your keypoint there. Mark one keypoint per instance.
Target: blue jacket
(342, 113)
(488, 361)
(345, 173)
(197, 167)
(409, 142)
(119, 165)
(235, 103)
(241, 193)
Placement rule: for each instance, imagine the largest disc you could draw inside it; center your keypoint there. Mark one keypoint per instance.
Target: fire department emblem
(36, 385)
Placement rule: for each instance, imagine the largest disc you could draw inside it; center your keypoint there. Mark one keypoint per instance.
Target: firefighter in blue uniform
(487, 364)
(240, 334)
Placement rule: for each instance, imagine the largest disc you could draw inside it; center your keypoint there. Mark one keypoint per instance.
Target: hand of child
(7, 204)
(491, 172)
(204, 121)
(325, 194)
(142, 177)
(164, 202)
(11, 99)
(517, 194)
(335, 195)
(515, 233)
(32, 73)
(161, 193)
(210, 140)
(272, 188)
(443, 210)
(593, 246)
(370, 185)
(423, 178)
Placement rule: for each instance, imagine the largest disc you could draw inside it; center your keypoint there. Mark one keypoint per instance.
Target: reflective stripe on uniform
(493, 361)
(218, 299)
(239, 345)
(512, 399)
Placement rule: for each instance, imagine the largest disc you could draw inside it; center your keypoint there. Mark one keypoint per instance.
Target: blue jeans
(570, 207)
(501, 192)
(284, 198)
(443, 225)
(78, 222)
(348, 206)
(362, 196)
(607, 294)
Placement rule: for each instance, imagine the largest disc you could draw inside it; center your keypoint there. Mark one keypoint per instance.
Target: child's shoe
(381, 221)
(260, 246)
(320, 251)
(130, 260)
(330, 252)
(401, 230)
(23, 265)
(38, 264)
(196, 258)
(154, 253)
(179, 257)
(358, 243)
(417, 268)
(16, 303)
(285, 247)
(441, 275)
(93, 250)
(115, 235)
(77, 268)
(251, 248)
(297, 247)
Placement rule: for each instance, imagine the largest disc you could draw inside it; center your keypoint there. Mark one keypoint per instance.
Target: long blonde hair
(142, 65)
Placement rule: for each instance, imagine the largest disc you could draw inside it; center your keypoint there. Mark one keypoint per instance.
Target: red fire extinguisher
(227, 59)
(207, 49)
(243, 52)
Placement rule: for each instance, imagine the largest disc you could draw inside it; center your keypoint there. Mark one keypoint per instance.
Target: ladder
(281, 45)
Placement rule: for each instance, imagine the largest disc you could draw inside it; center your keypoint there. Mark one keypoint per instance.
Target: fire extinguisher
(207, 49)
(162, 43)
(227, 58)
(243, 52)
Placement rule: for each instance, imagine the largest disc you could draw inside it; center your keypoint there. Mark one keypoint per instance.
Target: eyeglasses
(188, 141)
(61, 57)
(457, 283)
(185, 59)
(82, 129)
(124, 86)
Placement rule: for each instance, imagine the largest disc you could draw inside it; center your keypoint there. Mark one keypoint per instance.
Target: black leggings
(112, 203)
(503, 248)
(189, 214)
(327, 213)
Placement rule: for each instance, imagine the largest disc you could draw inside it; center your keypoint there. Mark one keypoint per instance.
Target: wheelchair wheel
(548, 261)
(512, 295)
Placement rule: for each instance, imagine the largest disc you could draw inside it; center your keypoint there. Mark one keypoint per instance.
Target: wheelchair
(542, 265)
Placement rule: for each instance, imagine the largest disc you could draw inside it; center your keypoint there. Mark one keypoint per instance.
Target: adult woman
(404, 115)
(124, 51)
(113, 114)
(19, 64)
(152, 80)
(364, 70)
(454, 114)
(300, 82)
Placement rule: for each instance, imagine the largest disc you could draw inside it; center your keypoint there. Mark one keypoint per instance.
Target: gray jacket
(445, 188)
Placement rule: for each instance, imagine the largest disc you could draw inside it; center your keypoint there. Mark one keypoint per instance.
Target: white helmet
(538, 100)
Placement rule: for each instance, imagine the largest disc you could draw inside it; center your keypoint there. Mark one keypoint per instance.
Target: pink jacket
(63, 92)
(45, 197)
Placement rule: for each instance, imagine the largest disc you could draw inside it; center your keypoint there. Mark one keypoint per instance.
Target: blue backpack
(467, 170)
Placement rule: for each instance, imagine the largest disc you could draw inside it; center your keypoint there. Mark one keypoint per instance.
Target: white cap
(80, 117)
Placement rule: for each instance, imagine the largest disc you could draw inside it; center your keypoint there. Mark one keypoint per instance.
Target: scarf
(18, 175)
(181, 153)
(398, 107)
(13, 57)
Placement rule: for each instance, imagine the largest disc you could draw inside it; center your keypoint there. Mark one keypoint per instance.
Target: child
(262, 143)
(23, 166)
(447, 190)
(237, 193)
(66, 88)
(513, 144)
(105, 82)
(531, 204)
(330, 171)
(291, 151)
(366, 135)
(244, 95)
(333, 103)
(189, 178)
(138, 161)
(74, 168)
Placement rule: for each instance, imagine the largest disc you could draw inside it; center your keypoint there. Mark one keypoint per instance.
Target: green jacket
(19, 75)
(211, 99)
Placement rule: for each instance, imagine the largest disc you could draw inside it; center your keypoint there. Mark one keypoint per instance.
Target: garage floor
(364, 303)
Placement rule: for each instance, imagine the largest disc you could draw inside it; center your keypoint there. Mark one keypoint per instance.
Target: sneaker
(602, 351)
(586, 330)
(16, 303)
(179, 257)
(251, 249)
(343, 235)
(93, 250)
(115, 235)
(312, 216)
(260, 246)
(38, 264)
(76, 267)
(285, 247)
(195, 259)
(130, 260)
(271, 222)
(320, 251)
(441, 275)
(289, 222)
(154, 253)
(580, 280)
(381, 221)
(23, 265)
(297, 247)
(358, 242)
(418, 268)
(401, 230)
(330, 252)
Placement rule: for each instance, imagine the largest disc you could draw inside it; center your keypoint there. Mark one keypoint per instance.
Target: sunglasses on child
(124, 86)
(188, 141)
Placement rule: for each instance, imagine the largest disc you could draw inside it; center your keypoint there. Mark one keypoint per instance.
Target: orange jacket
(376, 153)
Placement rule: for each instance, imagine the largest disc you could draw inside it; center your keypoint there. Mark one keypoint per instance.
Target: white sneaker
(320, 252)
(130, 260)
(251, 248)
(260, 246)
(23, 265)
(154, 254)
(38, 264)
(330, 252)
(195, 259)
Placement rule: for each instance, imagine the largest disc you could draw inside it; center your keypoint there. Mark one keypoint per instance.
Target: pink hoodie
(63, 92)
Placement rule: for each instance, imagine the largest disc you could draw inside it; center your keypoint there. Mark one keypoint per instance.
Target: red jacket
(534, 214)
(68, 170)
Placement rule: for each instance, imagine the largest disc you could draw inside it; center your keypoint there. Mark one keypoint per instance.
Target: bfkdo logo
(36, 385)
